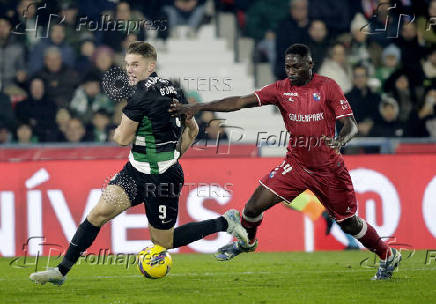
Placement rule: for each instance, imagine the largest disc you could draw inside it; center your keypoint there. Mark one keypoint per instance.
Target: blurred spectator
(318, 42)
(423, 121)
(369, 7)
(382, 24)
(69, 11)
(336, 67)
(93, 10)
(103, 59)
(11, 56)
(152, 9)
(363, 101)
(89, 99)
(5, 134)
(63, 117)
(7, 117)
(38, 111)
(56, 39)
(265, 49)
(15, 93)
(60, 80)
(264, 16)
(26, 19)
(84, 60)
(359, 52)
(100, 126)
(390, 62)
(114, 36)
(400, 86)
(185, 12)
(429, 65)
(75, 131)
(119, 57)
(291, 30)
(335, 14)
(194, 97)
(389, 125)
(411, 51)
(426, 28)
(8, 8)
(25, 134)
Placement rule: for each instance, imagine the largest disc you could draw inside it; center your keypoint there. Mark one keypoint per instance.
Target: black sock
(192, 232)
(82, 240)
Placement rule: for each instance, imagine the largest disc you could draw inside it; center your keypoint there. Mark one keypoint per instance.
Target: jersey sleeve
(135, 109)
(181, 96)
(337, 101)
(267, 95)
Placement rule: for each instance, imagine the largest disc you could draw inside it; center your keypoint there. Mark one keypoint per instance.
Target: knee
(352, 225)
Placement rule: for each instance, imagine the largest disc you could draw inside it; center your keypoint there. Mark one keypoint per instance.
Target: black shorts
(159, 192)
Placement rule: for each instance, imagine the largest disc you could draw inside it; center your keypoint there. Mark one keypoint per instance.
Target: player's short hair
(298, 49)
(144, 49)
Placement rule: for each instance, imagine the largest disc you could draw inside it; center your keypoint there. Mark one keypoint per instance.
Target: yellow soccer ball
(154, 262)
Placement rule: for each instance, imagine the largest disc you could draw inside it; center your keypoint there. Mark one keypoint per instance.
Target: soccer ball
(154, 262)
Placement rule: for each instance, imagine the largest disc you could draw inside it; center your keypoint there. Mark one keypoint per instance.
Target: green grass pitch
(286, 277)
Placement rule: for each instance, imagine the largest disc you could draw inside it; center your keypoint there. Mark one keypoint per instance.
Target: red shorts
(333, 187)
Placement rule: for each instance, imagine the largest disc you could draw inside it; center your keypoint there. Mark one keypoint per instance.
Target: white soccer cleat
(234, 225)
(387, 267)
(52, 275)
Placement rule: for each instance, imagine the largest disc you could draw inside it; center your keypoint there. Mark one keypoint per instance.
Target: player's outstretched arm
(228, 104)
(126, 131)
(348, 131)
(189, 134)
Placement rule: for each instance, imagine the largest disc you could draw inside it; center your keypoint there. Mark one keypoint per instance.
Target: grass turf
(286, 277)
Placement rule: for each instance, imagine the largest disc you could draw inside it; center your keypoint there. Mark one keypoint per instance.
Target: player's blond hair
(144, 49)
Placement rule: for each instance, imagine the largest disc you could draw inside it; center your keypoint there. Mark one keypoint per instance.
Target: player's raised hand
(177, 108)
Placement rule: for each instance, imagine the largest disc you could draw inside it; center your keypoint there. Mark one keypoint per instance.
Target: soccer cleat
(52, 275)
(234, 225)
(233, 249)
(387, 267)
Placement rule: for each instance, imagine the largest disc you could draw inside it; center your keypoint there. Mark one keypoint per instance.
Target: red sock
(251, 224)
(371, 240)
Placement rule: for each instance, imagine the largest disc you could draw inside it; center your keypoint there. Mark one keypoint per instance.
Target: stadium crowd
(50, 75)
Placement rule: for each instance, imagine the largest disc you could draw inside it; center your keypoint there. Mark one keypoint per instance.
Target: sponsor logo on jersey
(290, 95)
(306, 117)
(316, 96)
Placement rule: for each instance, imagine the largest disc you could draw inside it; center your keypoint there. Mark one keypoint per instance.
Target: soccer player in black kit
(152, 175)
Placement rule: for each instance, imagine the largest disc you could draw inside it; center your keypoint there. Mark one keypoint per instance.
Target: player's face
(298, 69)
(138, 67)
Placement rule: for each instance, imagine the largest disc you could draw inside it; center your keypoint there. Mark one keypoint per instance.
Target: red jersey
(309, 112)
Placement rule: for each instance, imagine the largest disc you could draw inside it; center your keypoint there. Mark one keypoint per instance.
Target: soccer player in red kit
(310, 104)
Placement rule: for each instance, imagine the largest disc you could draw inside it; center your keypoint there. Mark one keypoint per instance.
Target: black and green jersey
(154, 147)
